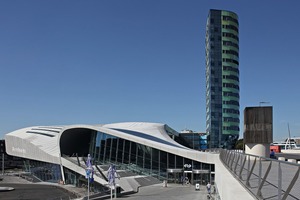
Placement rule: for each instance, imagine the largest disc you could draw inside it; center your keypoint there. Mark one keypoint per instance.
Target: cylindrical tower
(222, 79)
(258, 130)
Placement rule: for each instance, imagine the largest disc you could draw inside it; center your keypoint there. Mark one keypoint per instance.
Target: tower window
(228, 18)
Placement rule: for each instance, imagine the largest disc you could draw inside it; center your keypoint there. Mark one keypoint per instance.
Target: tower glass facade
(222, 79)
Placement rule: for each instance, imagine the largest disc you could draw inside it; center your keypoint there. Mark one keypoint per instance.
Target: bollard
(281, 158)
(292, 160)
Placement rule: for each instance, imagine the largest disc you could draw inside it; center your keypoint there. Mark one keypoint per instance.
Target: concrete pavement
(173, 191)
(25, 190)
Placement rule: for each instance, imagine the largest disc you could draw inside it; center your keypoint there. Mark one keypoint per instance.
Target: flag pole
(110, 191)
(88, 187)
(115, 191)
(89, 173)
(111, 176)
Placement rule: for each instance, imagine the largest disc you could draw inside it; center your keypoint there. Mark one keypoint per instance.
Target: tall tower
(222, 79)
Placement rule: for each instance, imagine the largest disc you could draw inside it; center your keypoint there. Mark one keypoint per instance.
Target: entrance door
(174, 175)
(201, 176)
(188, 177)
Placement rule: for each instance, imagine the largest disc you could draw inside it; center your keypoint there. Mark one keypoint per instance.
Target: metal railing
(265, 178)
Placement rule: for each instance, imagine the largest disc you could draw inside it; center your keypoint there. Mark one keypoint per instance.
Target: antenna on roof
(289, 139)
(263, 102)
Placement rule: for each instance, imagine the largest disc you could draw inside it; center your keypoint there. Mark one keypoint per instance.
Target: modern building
(222, 79)
(140, 151)
(54, 154)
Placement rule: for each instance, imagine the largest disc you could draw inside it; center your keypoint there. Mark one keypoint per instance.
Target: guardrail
(265, 178)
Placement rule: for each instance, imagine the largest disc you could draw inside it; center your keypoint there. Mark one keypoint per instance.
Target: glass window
(114, 151)
(140, 156)
(179, 162)
(171, 158)
(155, 161)
(133, 154)
(148, 157)
(102, 147)
(126, 159)
(107, 150)
(163, 163)
(120, 150)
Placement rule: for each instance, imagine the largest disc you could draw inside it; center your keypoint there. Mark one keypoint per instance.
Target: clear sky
(106, 61)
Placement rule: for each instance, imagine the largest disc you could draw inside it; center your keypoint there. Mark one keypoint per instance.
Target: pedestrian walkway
(152, 192)
(173, 191)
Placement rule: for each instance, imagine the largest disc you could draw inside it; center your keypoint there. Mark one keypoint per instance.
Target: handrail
(283, 183)
(78, 160)
(103, 176)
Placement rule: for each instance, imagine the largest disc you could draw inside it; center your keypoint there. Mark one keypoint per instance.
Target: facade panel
(258, 125)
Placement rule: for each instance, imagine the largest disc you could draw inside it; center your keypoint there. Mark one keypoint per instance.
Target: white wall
(228, 186)
(262, 150)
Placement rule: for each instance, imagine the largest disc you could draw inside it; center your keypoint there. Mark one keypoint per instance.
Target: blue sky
(106, 61)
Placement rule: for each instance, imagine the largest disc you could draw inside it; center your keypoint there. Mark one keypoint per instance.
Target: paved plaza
(26, 190)
(173, 191)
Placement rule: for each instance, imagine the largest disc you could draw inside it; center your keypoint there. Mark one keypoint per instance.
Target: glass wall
(145, 160)
(47, 172)
(78, 180)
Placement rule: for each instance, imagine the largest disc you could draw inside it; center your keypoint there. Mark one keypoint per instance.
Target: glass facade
(222, 79)
(145, 160)
(47, 172)
(197, 141)
(126, 154)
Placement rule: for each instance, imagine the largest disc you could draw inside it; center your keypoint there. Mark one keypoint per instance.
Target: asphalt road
(35, 192)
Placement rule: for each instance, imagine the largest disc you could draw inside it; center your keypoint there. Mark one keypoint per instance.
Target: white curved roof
(38, 143)
(42, 142)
